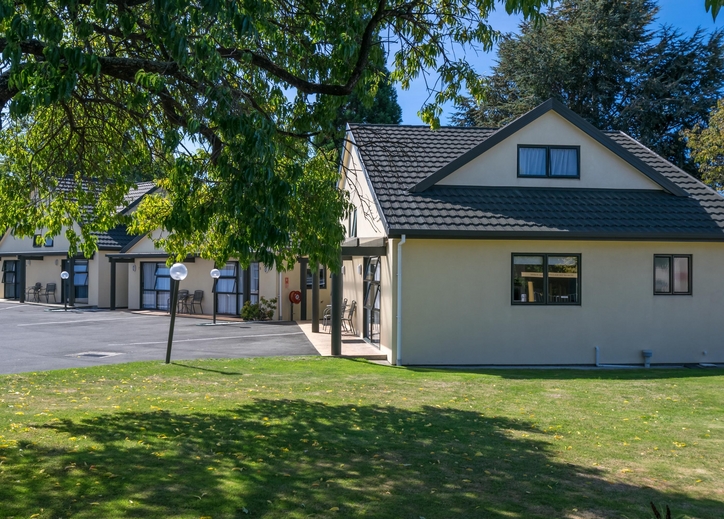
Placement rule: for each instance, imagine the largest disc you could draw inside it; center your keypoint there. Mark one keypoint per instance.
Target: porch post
(20, 282)
(303, 288)
(315, 300)
(113, 284)
(336, 278)
(71, 281)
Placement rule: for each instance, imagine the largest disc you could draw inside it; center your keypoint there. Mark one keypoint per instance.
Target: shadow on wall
(298, 458)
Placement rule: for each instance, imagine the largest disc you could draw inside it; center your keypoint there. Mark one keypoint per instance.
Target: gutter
(399, 299)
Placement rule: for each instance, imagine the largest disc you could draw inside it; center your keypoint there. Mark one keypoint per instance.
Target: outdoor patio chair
(49, 291)
(182, 301)
(347, 322)
(35, 290)
(327, 314)
(196, 300)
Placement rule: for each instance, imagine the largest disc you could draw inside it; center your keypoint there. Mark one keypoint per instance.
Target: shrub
(261, 311)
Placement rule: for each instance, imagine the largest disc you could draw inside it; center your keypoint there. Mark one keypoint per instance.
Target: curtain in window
(662, 266)
(254, 283)
(681, 275)
(148, 272)
(227, 289)
(564, 162)
(532, 162)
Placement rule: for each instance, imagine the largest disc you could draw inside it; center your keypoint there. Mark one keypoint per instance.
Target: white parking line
(11, 307)
(204, 339)
(78, 321)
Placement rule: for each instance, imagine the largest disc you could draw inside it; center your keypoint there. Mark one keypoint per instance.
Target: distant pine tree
(601, 59)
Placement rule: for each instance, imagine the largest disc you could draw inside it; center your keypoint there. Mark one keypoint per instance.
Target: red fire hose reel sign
(295, 297)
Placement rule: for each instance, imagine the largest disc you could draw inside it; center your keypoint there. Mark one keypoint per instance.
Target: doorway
(372, 298)
(10, 279)
(79, 280)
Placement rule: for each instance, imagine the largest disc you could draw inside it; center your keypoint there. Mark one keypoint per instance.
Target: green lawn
(321, 437)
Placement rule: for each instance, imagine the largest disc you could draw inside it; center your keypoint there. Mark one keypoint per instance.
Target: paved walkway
(352, 346)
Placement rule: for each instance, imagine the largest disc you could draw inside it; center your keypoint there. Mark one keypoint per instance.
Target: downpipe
(399, 300)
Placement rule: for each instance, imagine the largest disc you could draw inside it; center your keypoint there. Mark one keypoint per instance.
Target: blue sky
(686, 15)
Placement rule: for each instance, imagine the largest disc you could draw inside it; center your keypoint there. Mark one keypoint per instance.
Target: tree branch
(309, 87)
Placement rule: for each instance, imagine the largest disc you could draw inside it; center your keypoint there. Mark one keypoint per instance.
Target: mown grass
(316, 437)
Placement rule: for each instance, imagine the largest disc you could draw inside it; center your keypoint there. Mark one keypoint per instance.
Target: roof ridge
(421, 126)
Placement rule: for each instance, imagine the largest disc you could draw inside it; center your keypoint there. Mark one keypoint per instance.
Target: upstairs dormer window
(549, 161)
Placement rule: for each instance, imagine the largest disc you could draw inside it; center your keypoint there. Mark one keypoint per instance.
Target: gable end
(524, 120)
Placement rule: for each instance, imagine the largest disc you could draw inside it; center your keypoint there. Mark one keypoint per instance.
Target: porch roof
(364, 247)
(130, 257)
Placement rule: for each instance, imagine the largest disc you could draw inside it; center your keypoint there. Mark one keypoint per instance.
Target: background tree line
(604, 61)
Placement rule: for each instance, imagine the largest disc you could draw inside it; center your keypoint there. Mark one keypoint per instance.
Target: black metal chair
(49, 291)
(35, 290)
(196, 300)
(182, 303)
(347, 322)
(327, 314)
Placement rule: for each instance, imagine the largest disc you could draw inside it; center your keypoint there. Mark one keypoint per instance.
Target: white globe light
(178, 271)
(64, 275)
(215, 273)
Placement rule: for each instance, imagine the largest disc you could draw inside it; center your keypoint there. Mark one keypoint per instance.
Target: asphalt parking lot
(35, 338)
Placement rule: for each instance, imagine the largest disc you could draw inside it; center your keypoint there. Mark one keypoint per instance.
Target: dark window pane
(528, 279)
(662, 268)
(564, 162)
(681, 275)
(37, 241)
(562, 279)
(162, 283)
(228, 270)
(353, 223)
(532, 162)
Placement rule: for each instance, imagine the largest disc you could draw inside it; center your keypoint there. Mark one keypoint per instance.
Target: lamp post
(215, 275)
(64, 276)
(178, 272)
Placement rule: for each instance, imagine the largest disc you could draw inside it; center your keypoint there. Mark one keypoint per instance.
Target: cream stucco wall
(457, 306)
(122, 291)
(48, 270)
(354, 181)
(600, 168)
(133, 272)
(10, 243)
(44, 271)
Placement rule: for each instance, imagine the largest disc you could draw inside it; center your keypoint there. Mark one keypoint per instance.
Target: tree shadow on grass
(581, 373)
(296, 458)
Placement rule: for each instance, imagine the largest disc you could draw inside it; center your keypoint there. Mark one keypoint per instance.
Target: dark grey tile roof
(135, 194)
(397, 158)
(118, 237)
(114, 239)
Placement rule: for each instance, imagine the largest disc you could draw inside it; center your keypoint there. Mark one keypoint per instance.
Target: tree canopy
(218, 100)
(383, 109)
(706, 143)
(603, 61)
